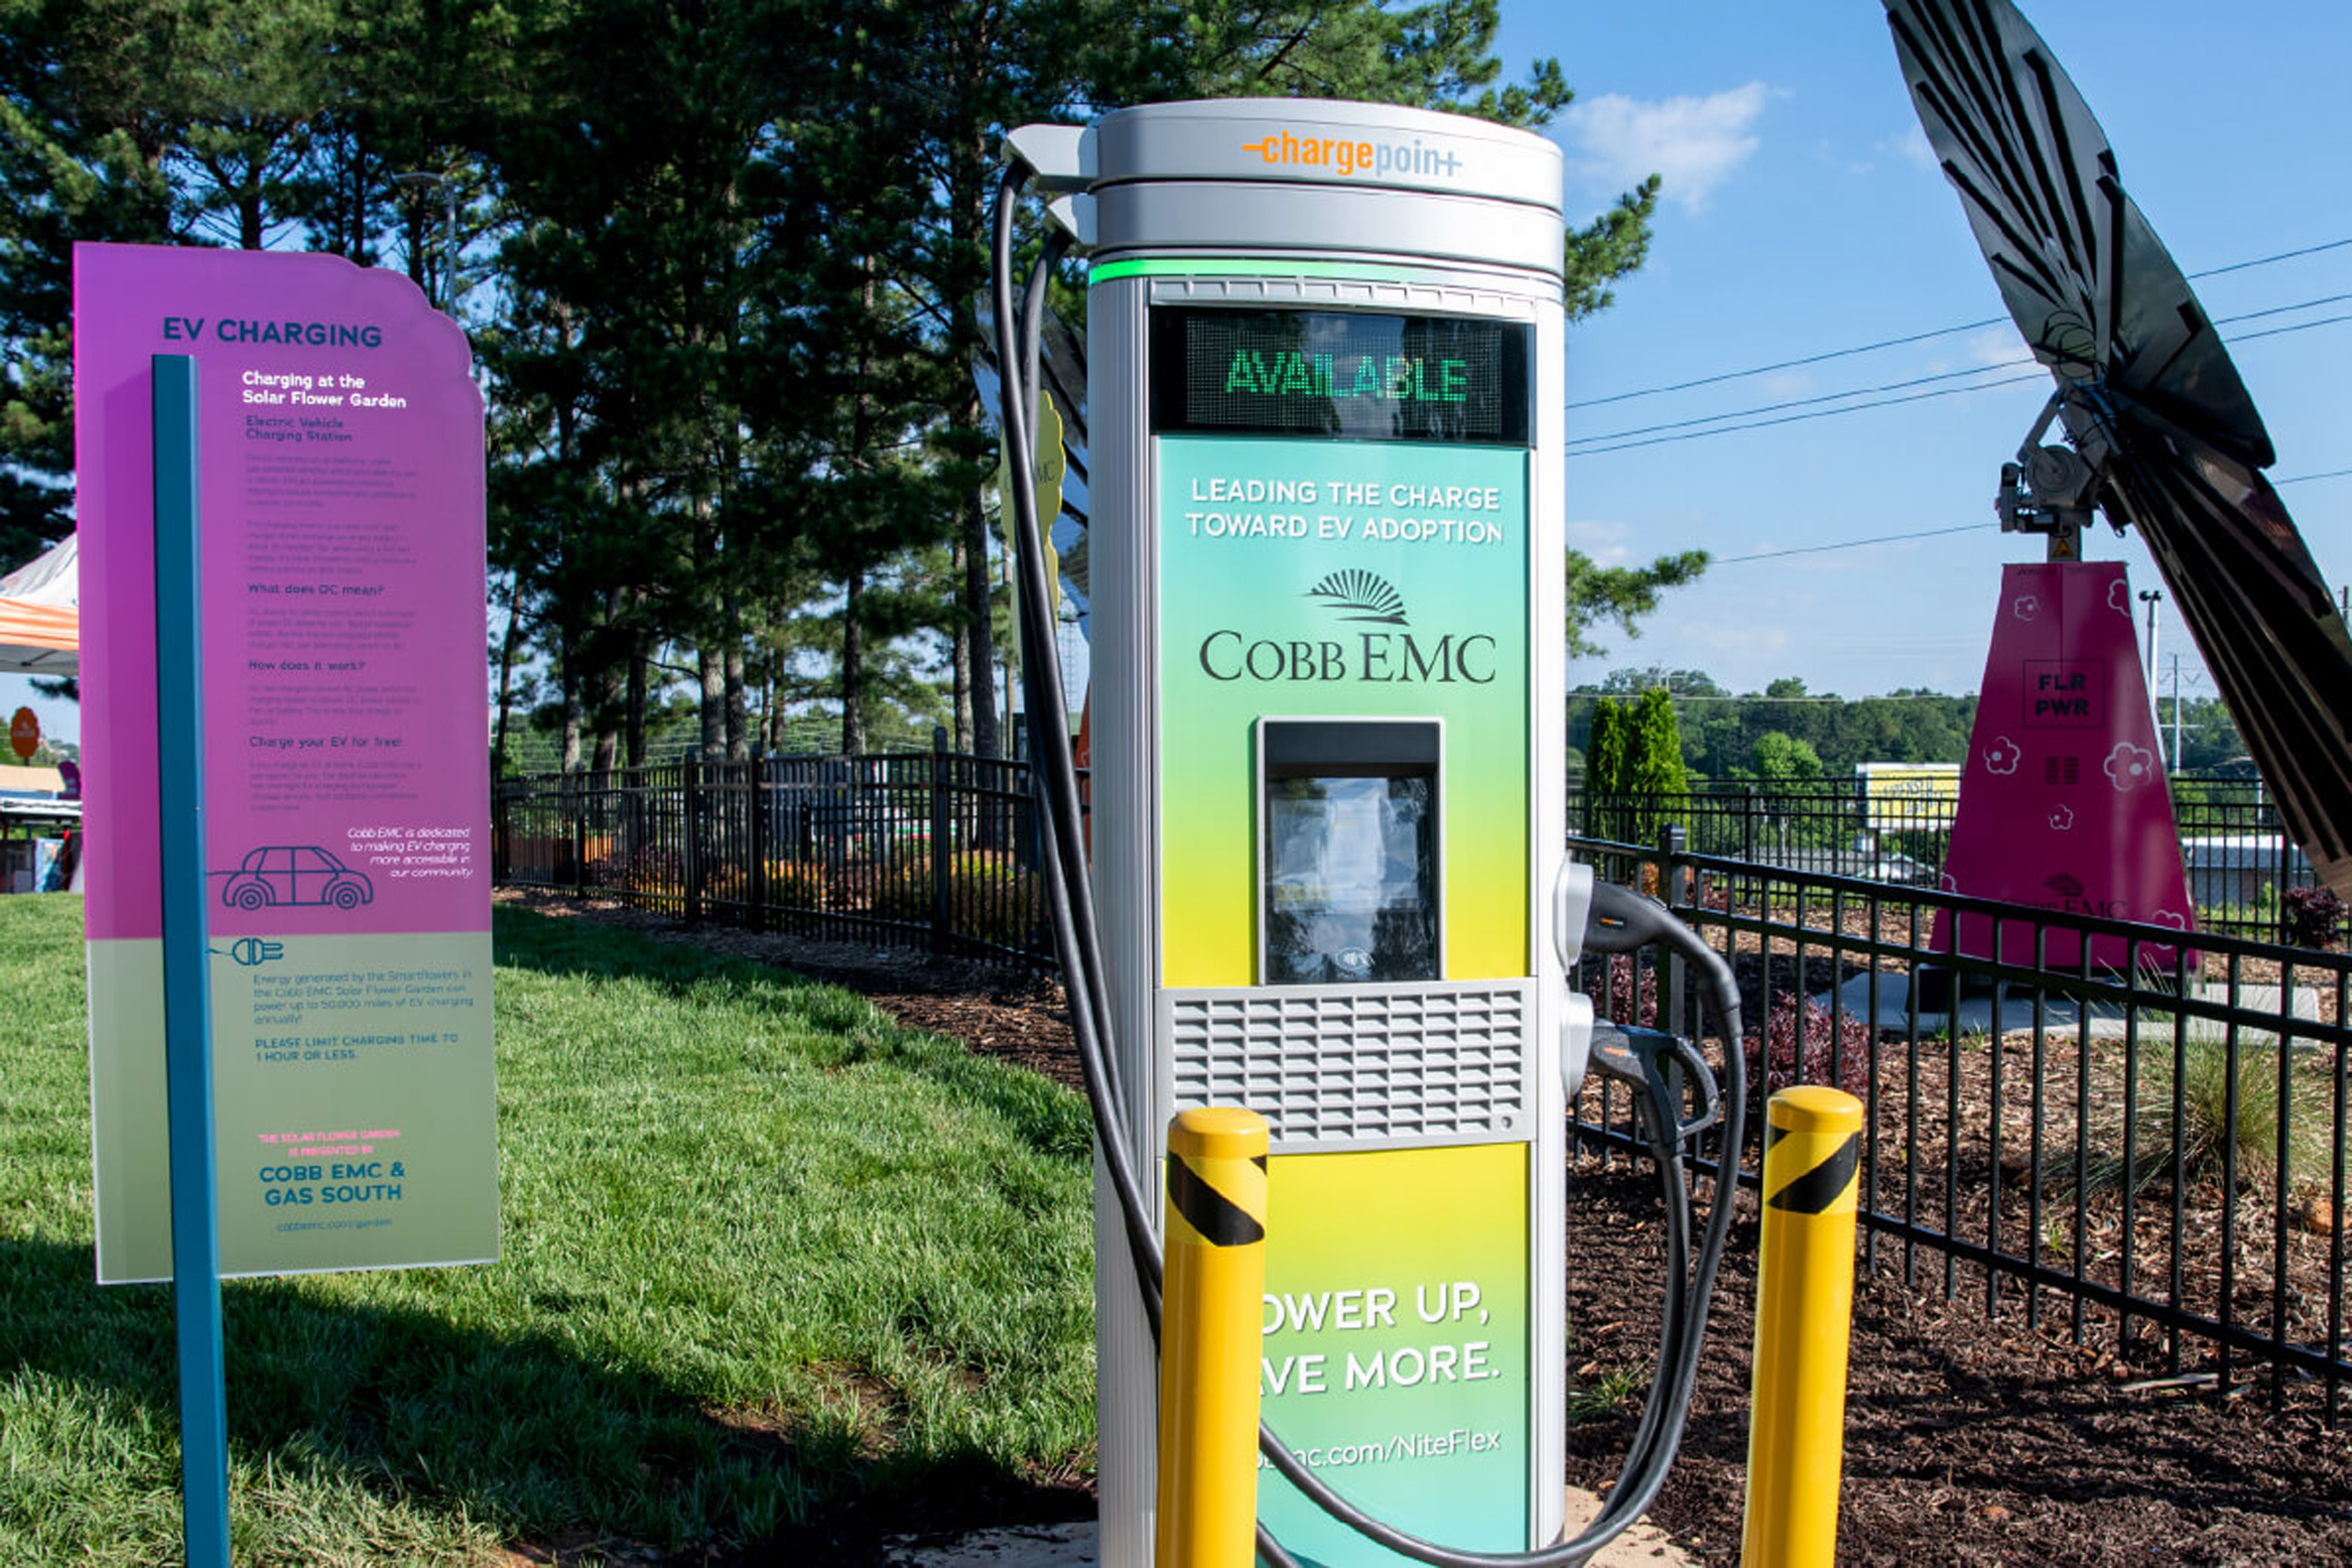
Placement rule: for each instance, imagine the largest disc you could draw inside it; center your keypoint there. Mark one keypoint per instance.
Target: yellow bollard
(1212, 1296)
(1804, 1316)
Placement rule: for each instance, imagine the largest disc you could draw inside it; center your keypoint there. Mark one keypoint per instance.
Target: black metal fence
(2239, 857)
(2130, 1141)
(927, 849)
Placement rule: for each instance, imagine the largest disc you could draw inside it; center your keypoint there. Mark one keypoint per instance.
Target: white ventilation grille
(1444, 1060)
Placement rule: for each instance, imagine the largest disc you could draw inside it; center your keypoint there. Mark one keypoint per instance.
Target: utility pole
(2151, 598)
(2176, 712)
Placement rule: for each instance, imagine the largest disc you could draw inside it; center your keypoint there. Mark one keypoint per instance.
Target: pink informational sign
(346, 767)
(2064, 804)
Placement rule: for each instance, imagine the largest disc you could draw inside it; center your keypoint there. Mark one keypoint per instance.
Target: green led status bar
(1216, 266)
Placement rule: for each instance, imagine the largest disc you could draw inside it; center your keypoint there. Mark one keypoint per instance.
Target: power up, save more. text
(1367, 1309)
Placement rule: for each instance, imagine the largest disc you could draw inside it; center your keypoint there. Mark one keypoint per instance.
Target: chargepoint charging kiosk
(1325, 413)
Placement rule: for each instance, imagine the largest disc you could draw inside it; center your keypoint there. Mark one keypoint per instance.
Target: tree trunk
(506, 676)
(970, 198)
(711, 666)
(853, 667)
(959, 645)
(636, 724)
(573, 713)
(979, 623)
(608, 741)
(738, 714)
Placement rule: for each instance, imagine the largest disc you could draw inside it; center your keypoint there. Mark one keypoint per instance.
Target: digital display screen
(1353, 375)
(1351, 848)
(1351, 897)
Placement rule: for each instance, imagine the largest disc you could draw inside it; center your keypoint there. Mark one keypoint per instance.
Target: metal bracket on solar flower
(1638, 1057)
(2049, 490)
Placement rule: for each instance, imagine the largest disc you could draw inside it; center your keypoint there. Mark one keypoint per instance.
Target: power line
(1789, 364)
(1808, 402)
(1882, 403)
(1954, 374)
(1816, 414)
(2266, 261)
(1846, 544)
(1918, 337)
(2298, 327)
(2307, 478)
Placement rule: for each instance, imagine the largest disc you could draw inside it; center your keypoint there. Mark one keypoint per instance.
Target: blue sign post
(187, 988)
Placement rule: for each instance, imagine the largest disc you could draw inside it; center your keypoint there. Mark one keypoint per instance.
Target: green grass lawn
(764, 1251)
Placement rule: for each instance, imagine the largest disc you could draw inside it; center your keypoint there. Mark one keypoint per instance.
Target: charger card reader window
(1349, 851)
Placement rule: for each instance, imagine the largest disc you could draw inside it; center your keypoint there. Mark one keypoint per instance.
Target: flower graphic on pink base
(1948, 883)
(2129, 766)
(2003, 755)
(2026, 606)
(2172, 918)
(2062, 818)
(2119, 597)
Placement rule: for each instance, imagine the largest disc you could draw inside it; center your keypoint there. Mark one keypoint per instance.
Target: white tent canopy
(40, 613)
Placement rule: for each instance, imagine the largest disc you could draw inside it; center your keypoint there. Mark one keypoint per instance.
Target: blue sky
(1802, 213)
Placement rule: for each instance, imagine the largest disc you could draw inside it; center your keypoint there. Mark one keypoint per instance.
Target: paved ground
(1073, 1546)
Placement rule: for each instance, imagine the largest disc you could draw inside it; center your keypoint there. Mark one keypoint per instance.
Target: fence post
(501, 870)
(575, 792)
(756, 798)
(1215, 1222)
(1674, 889)
(942, 862)
(1748, 826)
(689, 773)
(1804, 1314)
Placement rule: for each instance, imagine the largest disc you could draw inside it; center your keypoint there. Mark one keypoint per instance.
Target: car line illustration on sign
(282, 874)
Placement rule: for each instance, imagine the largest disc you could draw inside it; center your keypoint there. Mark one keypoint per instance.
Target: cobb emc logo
(1361, 596)
(1395, 657)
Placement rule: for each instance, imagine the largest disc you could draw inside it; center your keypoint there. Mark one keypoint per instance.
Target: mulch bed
(1970, 1438)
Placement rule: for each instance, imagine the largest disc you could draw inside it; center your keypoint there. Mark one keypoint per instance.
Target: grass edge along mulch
(767, 1255)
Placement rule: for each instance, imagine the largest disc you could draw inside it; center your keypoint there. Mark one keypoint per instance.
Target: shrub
(797, 884)
(2312, 916)
(641, 871)
(1629, 996)
(791, 884)
(1799, 1044)
(2207, 1130)
(989, 897)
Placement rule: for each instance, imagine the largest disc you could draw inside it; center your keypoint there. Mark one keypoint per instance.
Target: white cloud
(1694, 143)
(1996, 345)
(1605, 543)
(1911, 144)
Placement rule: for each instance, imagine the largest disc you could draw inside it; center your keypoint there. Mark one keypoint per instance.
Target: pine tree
(1605, 777)
(1654, 774)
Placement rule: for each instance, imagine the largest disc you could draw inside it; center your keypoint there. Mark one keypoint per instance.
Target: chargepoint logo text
(1397, 658)
(1349, 155)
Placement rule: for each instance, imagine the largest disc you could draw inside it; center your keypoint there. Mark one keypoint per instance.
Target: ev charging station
(1324, 346)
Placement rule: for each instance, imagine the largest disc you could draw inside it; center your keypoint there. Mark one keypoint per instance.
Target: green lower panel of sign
(1395, 1352)
(355, 1104)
